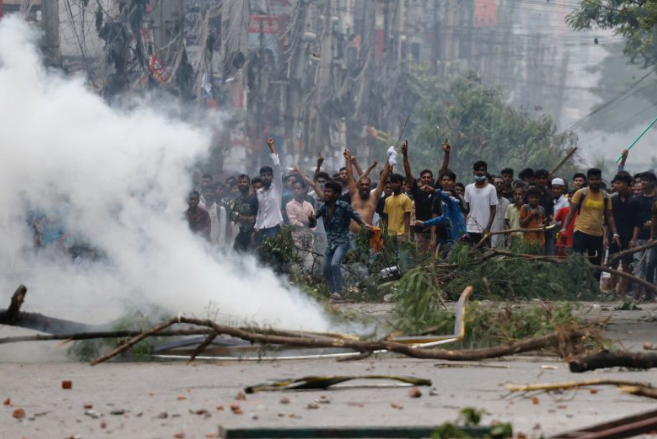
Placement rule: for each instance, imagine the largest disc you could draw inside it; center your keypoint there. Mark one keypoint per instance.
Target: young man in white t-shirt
(481, 198)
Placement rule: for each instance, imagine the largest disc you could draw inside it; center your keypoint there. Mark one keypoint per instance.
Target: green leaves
(480, 126)
(634, 20)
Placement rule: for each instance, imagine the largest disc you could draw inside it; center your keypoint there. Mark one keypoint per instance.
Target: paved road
(145, 391)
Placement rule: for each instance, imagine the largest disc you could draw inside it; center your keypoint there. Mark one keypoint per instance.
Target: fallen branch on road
(562, 340)
(606, 359)
(573, 385)
(639, 390)
(97, 335)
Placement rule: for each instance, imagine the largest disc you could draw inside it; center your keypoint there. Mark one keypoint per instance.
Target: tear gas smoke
(118, 179)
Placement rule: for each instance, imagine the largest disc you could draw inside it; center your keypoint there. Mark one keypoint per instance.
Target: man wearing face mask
(269, 218)
(481, 198)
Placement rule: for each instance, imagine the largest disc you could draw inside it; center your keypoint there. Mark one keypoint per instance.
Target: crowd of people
(537, 210)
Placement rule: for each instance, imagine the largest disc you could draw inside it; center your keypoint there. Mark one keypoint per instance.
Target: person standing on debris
(642, 225)
(197, 217)
(532, 216)
(541, 179)
(592, 205)
(269, 217)
(512, 215)
(427, 205)
(337, 217)
(398, 210)
(217, 215)
(298, 210)
(451, 219)
(244, 211)
(364, 200)
(623, 212)
(481, 198)
(499, 240)
(320, 179)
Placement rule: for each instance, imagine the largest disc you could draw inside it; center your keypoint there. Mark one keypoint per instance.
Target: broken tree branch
(208, 340)
(125, 346)
(562, 162)
(639, 390)
(11, 315)
(633, 278)
(104, 334)
(558, 338)
(558, 260)
(605, 359)
(507, 231)
(571, 385)
(629, 251)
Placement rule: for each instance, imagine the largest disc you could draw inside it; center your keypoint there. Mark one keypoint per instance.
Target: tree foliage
(633, 19)
(480, 125)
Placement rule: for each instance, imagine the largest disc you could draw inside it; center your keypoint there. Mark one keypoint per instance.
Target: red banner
(159, 71)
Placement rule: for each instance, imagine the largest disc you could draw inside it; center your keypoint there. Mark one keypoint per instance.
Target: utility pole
(50, 22)
(323, 79)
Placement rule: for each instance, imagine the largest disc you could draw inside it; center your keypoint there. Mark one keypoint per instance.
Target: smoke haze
(125, 175)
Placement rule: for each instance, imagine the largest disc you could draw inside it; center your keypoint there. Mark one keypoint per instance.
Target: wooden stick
(605, 359)
(633, 278)
(527, 256)
(199, 350)
(619, 255)
(639, 390)
(572, 385)
(562, 162)
(104, 334)
(505, 232)
(530, 344)
(125, 346)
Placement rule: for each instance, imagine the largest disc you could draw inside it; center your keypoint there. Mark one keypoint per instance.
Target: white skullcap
(558, 182)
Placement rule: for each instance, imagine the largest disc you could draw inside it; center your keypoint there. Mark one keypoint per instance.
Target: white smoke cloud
(125, 175)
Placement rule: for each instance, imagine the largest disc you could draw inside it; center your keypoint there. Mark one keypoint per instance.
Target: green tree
(480, 126)
(633, 19)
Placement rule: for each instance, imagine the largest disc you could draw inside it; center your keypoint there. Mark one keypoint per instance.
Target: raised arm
(276, 166)
(369, 170)
(356, 166)
(384, 177)
(309, 182)
(350, 173)
(407, 164)
(621, 165)
(447, 148)
(318, 169)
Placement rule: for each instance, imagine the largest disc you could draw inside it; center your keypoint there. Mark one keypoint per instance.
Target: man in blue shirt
(337, 217)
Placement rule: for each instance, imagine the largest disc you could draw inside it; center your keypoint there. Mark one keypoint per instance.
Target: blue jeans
(333, 266)
(645, 264)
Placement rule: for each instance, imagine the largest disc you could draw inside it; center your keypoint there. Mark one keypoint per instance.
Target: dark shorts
(613, 248)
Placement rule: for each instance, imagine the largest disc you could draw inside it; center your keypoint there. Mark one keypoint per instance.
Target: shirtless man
(363, 200)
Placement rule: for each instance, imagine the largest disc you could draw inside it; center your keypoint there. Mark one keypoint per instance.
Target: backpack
(605, 198)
